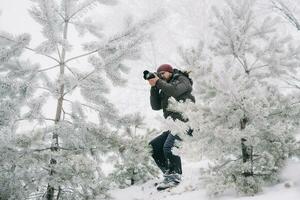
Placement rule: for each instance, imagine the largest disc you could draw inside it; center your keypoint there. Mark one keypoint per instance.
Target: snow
(191, 180)
(165, 46)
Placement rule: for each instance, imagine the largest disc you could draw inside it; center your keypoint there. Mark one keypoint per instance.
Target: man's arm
(176, 88)
(155, 99)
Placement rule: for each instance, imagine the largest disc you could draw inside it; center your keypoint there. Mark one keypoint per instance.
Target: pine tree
(134, 164)
(287, 10)
(60, 158)
(16, 88)
(242, 122)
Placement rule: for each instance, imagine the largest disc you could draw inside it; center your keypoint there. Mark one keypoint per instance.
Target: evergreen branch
(94, 51)
(293, 77)
(68, 122)
(226, 162)
(68, 190)
(280, 112)
(80, 9)
(23, 153)
(58, 193)
(234, 160)
(47, 169)
(74, 74)
(26, 119)
(39, 150)
(257, 67)
(23, 119)
(47, 119)
(62, 148)
(287, 14)
(239, 104)
(83, 55)
(42, 54)
(260, 174)
(75, 86)
(42, 70)
(47, 89)
(56, 148)
(258, 57)
(86, 76)
(295, 103)
(64, 113)
(62, 17)
(76, 149)
(275, 113)
(31, 49)
(91, 107)
(67, 113)
(35, 195)
(242, 63)
(58, 52)
(292, 84)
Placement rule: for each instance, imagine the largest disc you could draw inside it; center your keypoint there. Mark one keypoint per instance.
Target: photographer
(172, 83)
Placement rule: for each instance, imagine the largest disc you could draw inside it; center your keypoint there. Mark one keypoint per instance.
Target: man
(173, 83)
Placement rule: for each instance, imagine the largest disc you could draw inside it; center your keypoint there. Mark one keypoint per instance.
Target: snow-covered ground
(289, 189)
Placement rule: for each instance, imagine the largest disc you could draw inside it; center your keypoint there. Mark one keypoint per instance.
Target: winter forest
(75, 114)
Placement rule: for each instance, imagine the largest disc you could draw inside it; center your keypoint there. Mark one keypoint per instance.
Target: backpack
(186, 74)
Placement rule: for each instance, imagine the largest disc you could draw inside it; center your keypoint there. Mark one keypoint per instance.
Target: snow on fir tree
(288, 10)
(61, 157)
(242, 122)
(134, 164)
(15, 88)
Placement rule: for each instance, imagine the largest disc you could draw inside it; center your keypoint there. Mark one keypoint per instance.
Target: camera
(149, 75)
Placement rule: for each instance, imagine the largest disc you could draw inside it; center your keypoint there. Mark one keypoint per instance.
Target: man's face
(165, 75)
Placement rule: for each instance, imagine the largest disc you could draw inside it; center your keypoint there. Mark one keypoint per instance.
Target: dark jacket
(179, 87)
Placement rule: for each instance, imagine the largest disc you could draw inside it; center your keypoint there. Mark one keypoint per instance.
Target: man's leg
(174, 161)
(173, 177)
(157, 151)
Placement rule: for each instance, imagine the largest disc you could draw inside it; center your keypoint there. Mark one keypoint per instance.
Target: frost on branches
(60, 158)
(16, 87)
(288, 11)
(134, 164)
(242, 122)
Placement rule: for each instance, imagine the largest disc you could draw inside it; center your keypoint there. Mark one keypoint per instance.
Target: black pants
(162, 153)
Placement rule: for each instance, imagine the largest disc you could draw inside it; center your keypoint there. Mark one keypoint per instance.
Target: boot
(172, 177)
(170, 180)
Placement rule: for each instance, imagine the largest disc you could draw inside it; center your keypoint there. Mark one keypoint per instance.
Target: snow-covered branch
(29, 48)
(286, 12)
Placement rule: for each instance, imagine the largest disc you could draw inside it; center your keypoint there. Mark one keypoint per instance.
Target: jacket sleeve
(155, 99)
(176, 88)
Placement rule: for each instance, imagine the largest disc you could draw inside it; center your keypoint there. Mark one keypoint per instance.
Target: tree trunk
(247, 156)
(132, 181)
(50, 193)
(59, 193)
(243, 123)
(247, 150)
(59, 107)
